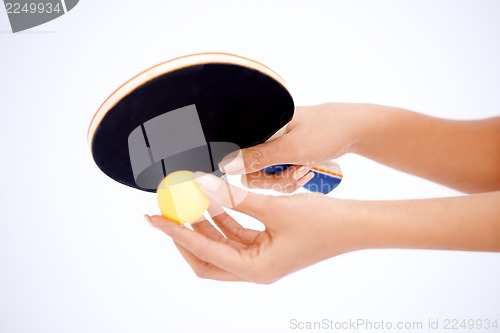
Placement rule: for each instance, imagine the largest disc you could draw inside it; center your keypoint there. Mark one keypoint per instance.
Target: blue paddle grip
(324, 180)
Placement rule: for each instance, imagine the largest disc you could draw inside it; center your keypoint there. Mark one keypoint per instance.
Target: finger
(206, 249)
(207, 229)
(204, 269)
(282, 131)
(232, 229)
(279, 181)
(258, 157)
(301, 182)
(300, 171)
(223, 194)
(262, 179)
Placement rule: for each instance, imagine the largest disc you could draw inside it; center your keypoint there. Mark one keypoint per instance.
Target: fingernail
(300, 172)
(232, 163)
(306, 179)
(150, 220)
(232, 155)
(207, 182)
(161, 223)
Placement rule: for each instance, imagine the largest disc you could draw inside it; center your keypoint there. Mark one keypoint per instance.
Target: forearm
(470, 223)
(461, 154)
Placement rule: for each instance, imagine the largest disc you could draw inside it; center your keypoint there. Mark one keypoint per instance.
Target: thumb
(255, 158)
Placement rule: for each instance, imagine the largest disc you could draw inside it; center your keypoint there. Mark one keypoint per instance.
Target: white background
(75, 252)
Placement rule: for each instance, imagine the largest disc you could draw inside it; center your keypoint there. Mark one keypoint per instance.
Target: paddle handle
(327, 176)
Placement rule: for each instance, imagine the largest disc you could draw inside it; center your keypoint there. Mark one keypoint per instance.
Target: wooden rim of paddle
(170, 66)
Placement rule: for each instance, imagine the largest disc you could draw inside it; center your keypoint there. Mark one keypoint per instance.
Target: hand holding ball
(180, 199)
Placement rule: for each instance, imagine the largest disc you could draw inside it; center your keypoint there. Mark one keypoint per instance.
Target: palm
(247, 242)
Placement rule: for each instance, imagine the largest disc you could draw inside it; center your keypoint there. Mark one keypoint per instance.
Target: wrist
(359, 122)
(363, 225)
(345, 229)
(371, 127)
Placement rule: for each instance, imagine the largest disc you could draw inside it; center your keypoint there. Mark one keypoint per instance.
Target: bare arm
(304, 229)
(470, 223)
(461, 154)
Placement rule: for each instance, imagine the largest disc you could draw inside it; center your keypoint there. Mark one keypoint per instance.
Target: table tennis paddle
(187, 114)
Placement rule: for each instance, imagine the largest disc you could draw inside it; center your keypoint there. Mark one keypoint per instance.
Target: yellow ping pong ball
(180, 198)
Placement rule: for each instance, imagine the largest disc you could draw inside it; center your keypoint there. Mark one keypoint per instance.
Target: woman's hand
(315, 134)
(464, 155)
(300, 230)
